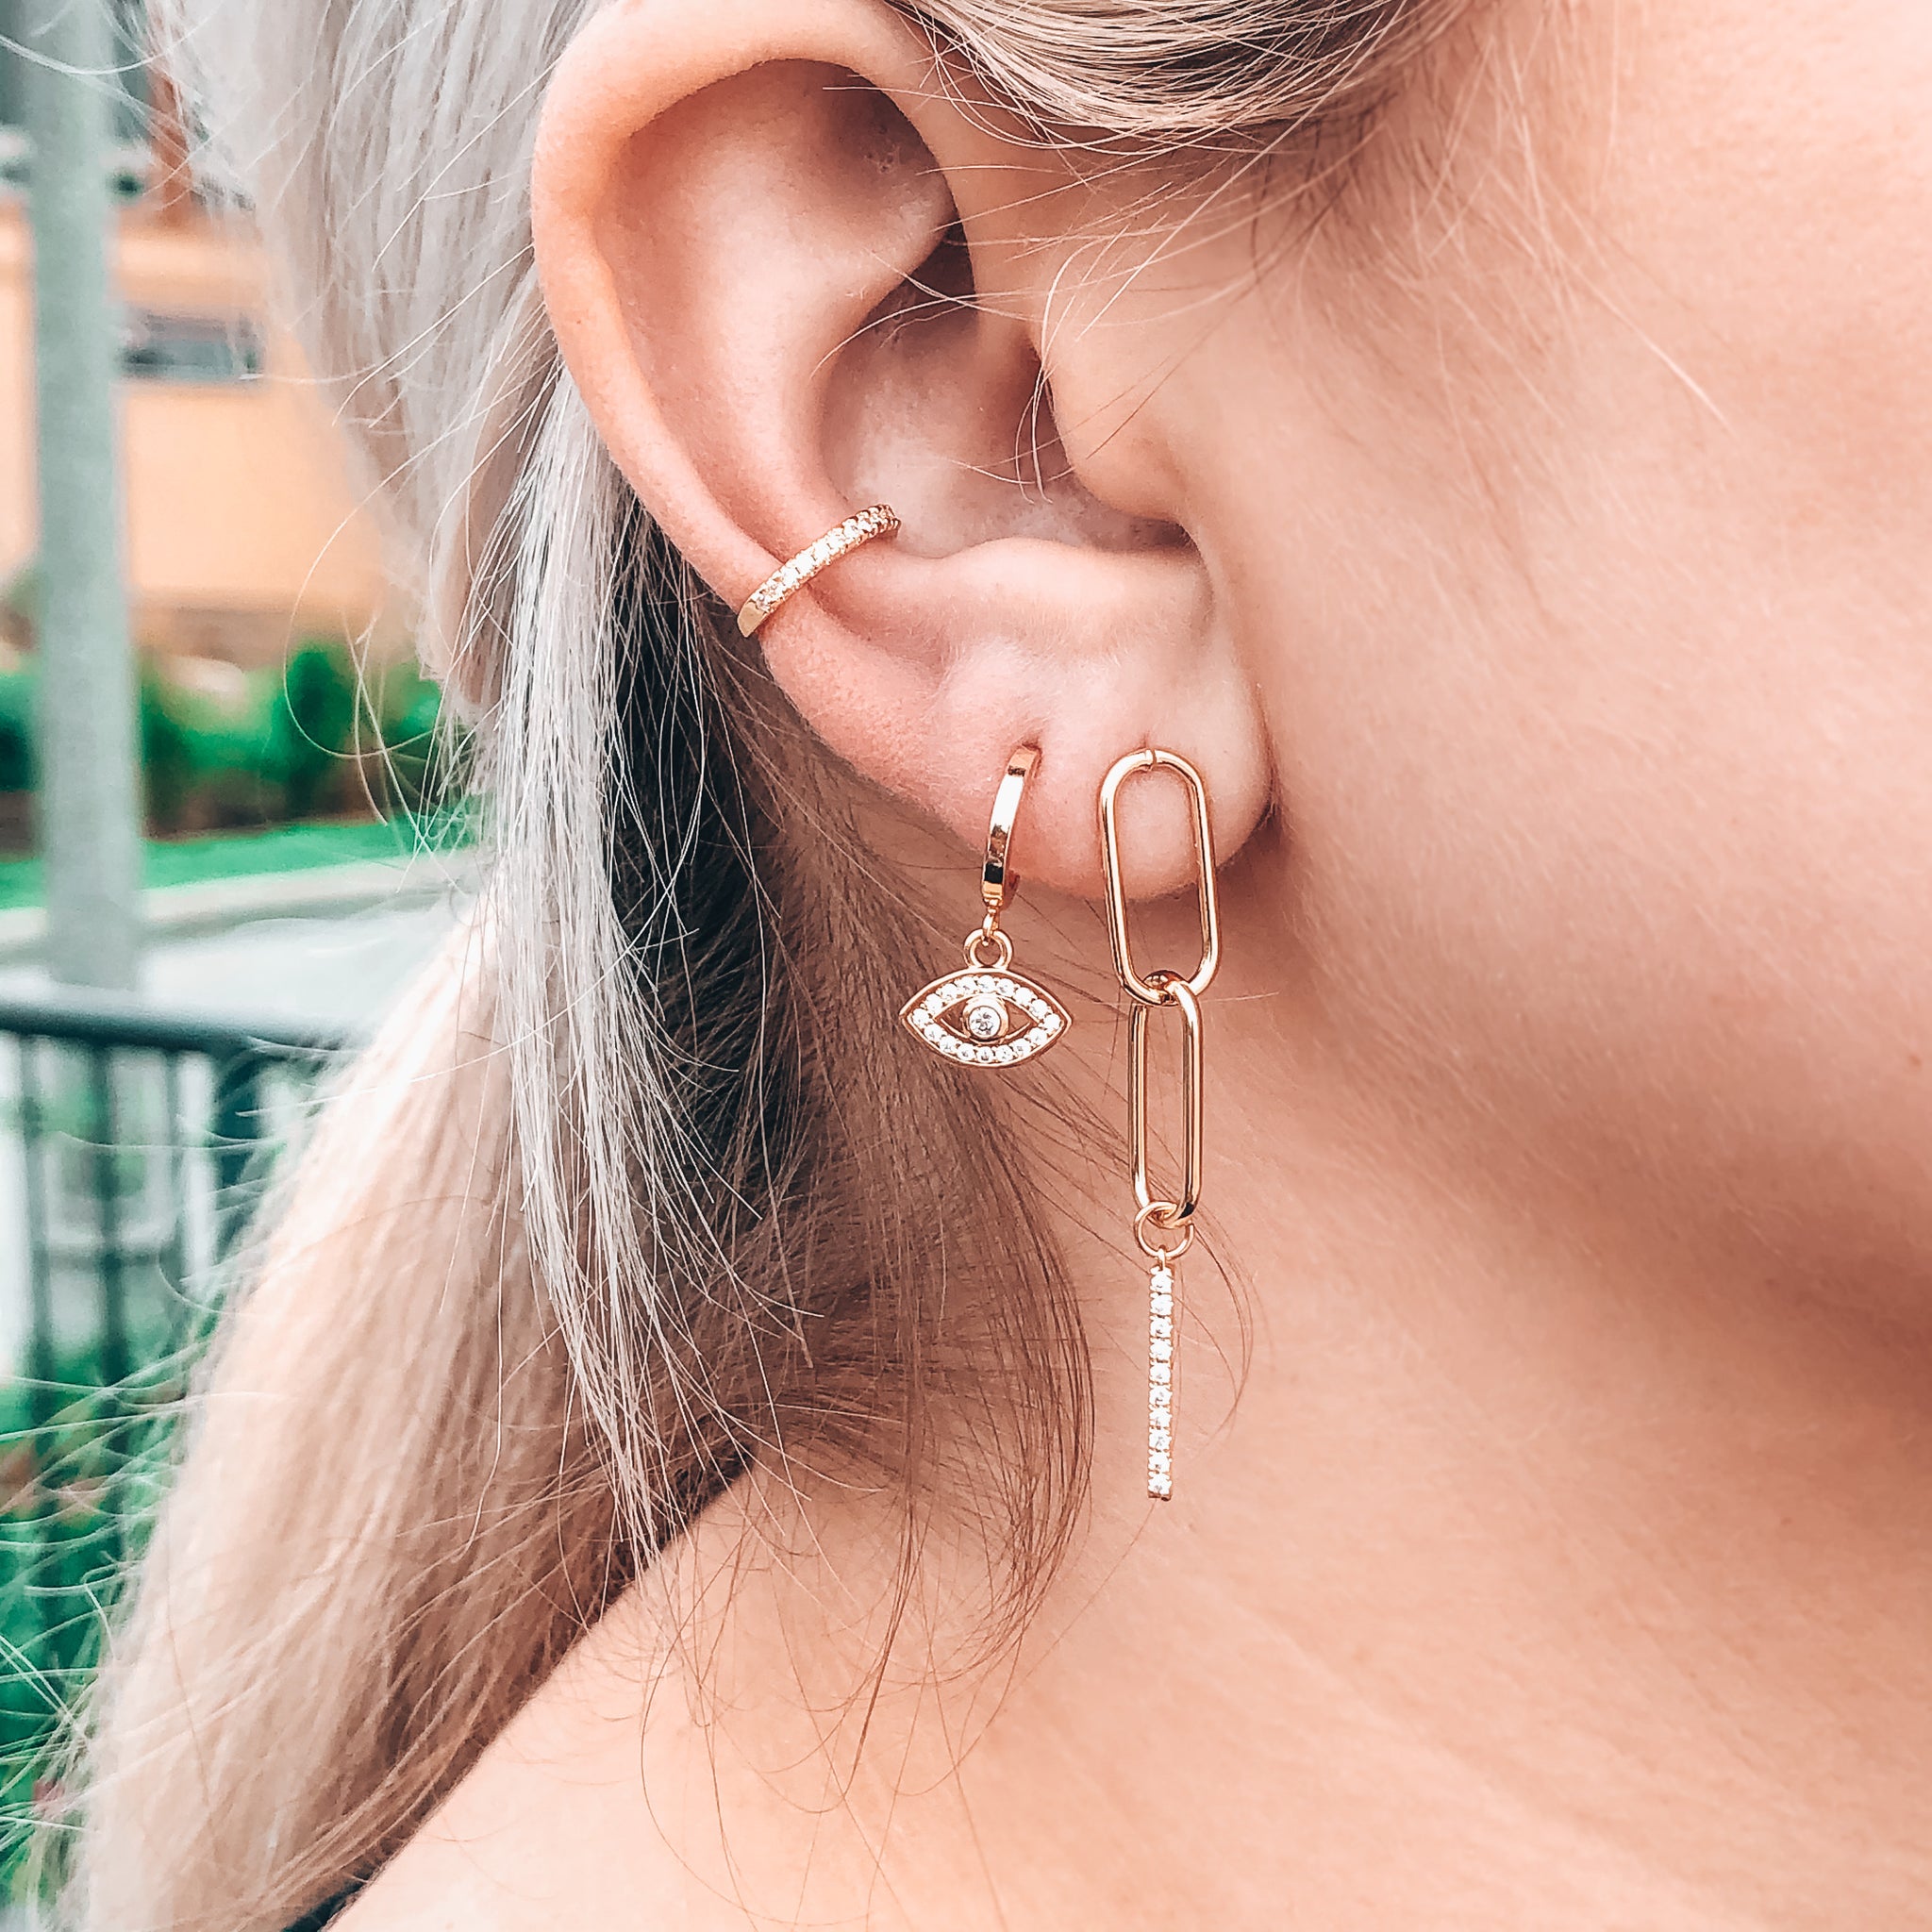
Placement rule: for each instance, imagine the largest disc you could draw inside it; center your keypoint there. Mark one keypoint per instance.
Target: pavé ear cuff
(989, 1015)
(880, 520)
(1164, 1225)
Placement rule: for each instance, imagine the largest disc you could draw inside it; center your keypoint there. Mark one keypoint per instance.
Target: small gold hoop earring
(989, 1015)
(879, 520)
(1164, 1222)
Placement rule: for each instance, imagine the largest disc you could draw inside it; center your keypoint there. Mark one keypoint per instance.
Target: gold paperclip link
(1145, 990)
(1168, 1212)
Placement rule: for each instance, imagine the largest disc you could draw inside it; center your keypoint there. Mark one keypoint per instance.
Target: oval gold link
(1154, 760)
(1173, 991)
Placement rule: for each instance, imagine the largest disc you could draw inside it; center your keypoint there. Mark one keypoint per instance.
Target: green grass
(81, 1469)
(240, 855)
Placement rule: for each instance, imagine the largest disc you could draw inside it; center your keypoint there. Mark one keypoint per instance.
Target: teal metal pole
(90, 778)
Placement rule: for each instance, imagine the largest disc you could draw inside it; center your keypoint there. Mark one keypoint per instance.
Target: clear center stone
(985, 1018)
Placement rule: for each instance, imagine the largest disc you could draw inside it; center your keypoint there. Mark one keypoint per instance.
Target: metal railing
(132, 1143)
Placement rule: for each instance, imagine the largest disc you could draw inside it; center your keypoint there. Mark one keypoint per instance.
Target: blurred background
(229, 822)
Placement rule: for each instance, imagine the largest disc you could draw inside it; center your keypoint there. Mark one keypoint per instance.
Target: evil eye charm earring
(988, 1015)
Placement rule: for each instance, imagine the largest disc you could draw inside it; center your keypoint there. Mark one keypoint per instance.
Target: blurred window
(157, 346)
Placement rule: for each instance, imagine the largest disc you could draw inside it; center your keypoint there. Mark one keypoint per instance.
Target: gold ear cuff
(880, 520)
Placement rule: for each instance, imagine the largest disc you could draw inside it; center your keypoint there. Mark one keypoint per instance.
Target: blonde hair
(591, 1226)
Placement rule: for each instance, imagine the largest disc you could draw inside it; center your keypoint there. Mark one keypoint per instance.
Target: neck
(1578, 1558)
(1547, 1556)
(1549, 1564)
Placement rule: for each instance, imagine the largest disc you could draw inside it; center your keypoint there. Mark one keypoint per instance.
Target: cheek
(1602, 674)
(1766, 181)
(1656, 939)
(1724, 699)
(1608, 775)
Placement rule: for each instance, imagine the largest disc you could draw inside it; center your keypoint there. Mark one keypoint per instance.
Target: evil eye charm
(985, 1019)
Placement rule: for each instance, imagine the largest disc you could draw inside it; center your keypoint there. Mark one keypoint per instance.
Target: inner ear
(806, 304)
(939, 403)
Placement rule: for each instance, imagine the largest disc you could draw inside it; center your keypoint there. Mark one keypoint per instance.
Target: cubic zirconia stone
(1161, 1305)
(1160, 1373)
(986, 1019)
(1160, 1489)
(1159, 1438)
(1051, 1022)
(1159, 1461)
(1162, 1279)
(1160, 1349)
(1162, 1325)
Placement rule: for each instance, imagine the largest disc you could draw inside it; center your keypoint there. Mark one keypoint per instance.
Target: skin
(1533, 556)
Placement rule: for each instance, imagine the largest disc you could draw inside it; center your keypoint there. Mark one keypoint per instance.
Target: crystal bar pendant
(1160, 1382)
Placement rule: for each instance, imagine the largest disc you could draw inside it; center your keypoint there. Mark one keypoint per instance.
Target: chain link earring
(1164, 1221)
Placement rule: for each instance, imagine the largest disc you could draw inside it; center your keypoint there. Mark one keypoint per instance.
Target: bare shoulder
(689, 1782)
(554, 1825)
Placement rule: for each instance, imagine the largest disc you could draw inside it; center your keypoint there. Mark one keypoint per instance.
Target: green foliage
(88, 1417)
(312, 724)
(81, 1468)
(422, 752)
(16, 731)
(309, 739)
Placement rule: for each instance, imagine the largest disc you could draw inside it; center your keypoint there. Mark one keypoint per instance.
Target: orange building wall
(242, 529)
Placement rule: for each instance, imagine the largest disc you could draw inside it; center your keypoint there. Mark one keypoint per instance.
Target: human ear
(794, 267)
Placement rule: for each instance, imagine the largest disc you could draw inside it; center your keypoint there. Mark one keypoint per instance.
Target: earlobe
(793, 274)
